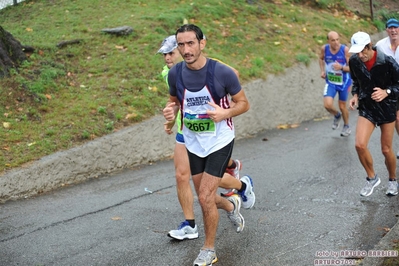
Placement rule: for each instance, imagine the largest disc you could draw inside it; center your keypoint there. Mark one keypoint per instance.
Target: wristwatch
(388, 92)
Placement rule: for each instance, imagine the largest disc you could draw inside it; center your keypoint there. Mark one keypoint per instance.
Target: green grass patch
(63, 97)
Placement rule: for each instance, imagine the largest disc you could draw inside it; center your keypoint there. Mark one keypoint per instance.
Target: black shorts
(214, 164)
(378, 113)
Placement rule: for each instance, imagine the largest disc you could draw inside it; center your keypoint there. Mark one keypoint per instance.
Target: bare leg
(329, 105)
(230, 182)
(387, 132)
(206, 186)
(344, 111)
(184, 191)
(363, 132)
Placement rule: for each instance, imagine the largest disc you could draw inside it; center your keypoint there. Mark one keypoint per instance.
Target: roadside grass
(63, 97)
(392, 261)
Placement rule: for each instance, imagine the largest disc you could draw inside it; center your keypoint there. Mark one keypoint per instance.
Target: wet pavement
(308, 209)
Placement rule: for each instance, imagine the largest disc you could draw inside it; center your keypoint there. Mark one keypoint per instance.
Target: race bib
(335, 78)
(199, 123)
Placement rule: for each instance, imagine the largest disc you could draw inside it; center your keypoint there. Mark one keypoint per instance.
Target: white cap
(358, 41)
(168, 45)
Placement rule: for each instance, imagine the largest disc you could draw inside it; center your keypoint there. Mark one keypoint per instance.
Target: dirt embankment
(366, 8)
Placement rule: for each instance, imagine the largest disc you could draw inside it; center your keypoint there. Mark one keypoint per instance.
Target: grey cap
(168, 45)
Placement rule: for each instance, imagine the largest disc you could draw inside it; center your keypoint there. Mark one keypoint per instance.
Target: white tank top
(202, 135)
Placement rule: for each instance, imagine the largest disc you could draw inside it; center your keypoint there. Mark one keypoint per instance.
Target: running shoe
(248, 195)
(185, 231)
(371, 183)
(346, 131)
(235, 215)
(236, 173)
(206, 257)
(392, 188)
(336, 121)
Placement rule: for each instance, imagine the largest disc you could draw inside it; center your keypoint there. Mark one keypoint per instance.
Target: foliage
(63, 97)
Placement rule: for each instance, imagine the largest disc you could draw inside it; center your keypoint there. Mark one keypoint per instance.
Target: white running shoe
(336, 121)
(346, 131)
(368, 188)
(185, 231)
(247, 196)
(392, 188)
(206, 257)
(235, 215)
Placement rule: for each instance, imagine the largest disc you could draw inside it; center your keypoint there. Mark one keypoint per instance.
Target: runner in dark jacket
(383, 74)
(375, 90)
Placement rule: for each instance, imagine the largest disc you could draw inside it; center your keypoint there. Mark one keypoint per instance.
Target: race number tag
(335, 78)
(199, 123)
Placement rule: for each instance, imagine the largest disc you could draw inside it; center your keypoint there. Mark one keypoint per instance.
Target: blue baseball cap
(392, 22)
(168, 45)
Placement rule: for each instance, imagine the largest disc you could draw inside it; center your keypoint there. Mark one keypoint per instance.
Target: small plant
(50, 132)
(118, 117)
(102, 110)
(109, 126)
(85, 134)
(303, 58)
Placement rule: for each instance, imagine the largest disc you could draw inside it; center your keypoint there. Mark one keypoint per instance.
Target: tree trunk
(11, 52)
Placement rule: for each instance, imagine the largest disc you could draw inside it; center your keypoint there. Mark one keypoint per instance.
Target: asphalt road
(307, 183)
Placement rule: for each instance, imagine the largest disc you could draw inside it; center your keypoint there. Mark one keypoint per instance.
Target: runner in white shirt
(389, 46)
(199, 87)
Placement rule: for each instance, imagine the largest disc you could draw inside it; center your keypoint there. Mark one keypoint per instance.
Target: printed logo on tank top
(195, 117)
(195, 101)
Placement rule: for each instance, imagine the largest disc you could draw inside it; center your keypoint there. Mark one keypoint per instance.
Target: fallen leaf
(286, 126)
(283, 126)
(31, 144)
(130, 116)
(385, 229)
(48, 96)
(116, 218)
(321, 118)
(294, 125)
(29, 29)
(6, 125)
